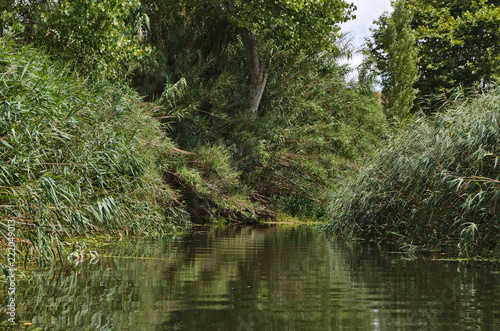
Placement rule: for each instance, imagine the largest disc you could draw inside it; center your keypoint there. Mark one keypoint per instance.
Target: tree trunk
(257, 73)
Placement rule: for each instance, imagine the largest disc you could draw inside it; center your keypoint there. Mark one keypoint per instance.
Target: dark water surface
(262, 278)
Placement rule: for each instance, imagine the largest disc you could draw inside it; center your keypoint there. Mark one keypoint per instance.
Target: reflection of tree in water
(265, 277)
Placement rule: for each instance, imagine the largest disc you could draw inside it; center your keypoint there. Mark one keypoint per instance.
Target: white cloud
(359, 28)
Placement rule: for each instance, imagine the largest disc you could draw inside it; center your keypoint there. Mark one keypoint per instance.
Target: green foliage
(210, 187)
(77, 158)
(230, 162)
(457, 43)
(313, 129)
(304, 24)
(435, 183)
(395, 59)
(311, 126)
(84, 157)
(96, 36)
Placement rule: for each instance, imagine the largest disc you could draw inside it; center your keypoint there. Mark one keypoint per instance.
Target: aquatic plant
(436, 183)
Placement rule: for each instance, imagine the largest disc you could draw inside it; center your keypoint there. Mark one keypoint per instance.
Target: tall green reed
(77, 157)
(436, 183)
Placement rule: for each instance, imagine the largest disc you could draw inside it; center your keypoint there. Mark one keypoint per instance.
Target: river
(266, 277)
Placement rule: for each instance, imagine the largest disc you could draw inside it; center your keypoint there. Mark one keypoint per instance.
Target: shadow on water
(266, 277)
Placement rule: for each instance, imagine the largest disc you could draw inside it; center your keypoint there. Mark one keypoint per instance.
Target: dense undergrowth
(312, 127)
(78, 157)
(315, 127)
(436, 185)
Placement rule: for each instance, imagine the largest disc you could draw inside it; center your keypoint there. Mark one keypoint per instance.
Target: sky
(358, 29)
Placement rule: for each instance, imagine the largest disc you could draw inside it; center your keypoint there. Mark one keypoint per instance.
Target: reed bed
(435, 186)
(77, 158)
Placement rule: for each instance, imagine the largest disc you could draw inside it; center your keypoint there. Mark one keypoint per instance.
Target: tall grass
(77, 157)
(437, 183)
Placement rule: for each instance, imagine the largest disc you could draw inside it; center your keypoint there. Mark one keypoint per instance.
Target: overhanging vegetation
(78, 158)
(436, 184)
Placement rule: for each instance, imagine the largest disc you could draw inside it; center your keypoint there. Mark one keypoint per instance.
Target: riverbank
(436, 186)
(84, 156)
(79, 157)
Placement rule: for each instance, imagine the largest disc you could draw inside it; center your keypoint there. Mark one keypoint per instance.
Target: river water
(267, 277)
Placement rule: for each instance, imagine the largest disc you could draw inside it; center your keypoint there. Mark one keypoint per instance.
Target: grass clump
(437, 184)
(77, 157)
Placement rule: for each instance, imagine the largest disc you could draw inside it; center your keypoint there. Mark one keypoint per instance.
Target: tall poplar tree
(458, 44)
(394, 48)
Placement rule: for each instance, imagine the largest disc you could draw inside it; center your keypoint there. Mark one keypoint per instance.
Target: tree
(396, 57)
(93, 35)
(458, 44)
(303, 25)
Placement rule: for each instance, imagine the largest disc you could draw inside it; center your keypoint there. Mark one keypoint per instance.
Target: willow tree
(304, 24)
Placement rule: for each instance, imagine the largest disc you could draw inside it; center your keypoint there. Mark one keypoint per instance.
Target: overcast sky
(358, 29)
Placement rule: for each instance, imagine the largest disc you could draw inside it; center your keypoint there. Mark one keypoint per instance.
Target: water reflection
(261, 278)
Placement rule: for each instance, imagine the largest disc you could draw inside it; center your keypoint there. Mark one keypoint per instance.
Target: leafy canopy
(458, 44)
(304, 23)
(94, 35)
